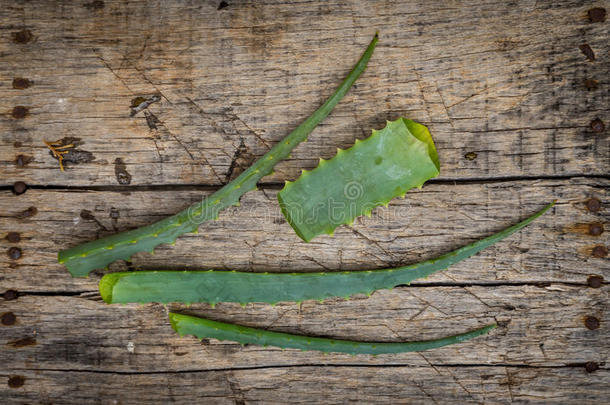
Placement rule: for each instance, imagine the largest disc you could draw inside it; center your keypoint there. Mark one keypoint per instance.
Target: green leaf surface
(233, 286)
(205, 328)
(82, 259)
(370, 173)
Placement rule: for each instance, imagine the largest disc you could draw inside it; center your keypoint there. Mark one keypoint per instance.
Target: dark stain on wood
(591, 84)
(14, 253)
(597, 125)
(20, 112)
(19, 188)
(599, 251)
(22, 37)
(591, 323)
(16, 381)
(78, 156)
(21, 83)
(8, 319)
(594, 204)
(23, 342)
(88, 216)
(591, 366)
(22, 160)
(30, 212)
(597, 14)
(592, 229)
(151, 120)
(242, 159)
(114, 213)
(95, 5)
(114, 218)
(587, 51)
(595, 281)
(120, 172)
(596, 229)
(10, 295)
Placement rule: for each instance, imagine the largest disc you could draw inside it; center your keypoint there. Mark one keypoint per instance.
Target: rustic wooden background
(516, 95)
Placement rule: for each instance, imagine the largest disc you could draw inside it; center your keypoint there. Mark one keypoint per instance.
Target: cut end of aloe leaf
(106, 285)
(174, 318)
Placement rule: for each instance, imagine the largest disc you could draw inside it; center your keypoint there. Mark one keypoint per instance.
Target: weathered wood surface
(507, 81)
(541, 336)
(504, 81)
(330, 384)
(441, 217)
(539, 326)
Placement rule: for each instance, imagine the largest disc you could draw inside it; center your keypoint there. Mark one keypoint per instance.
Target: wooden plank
(310, 385)
(504, 82)
(254, 237)
(508, 94)
(538, 326)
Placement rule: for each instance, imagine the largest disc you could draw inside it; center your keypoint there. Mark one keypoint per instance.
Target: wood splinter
(56, 148)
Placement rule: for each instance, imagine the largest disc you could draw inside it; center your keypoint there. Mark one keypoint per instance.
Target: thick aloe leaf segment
(232, 286)
(84, 258)
(205, 328)
(370, 173)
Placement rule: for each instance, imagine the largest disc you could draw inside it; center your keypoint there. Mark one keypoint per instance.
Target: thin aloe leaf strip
(82, 259)
(205, 328)
(232, 286)
(372, 172)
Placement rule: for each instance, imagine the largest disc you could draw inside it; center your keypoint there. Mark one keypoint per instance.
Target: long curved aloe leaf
(84, 258)
(370, 173)
(205, 328)
(232, 286)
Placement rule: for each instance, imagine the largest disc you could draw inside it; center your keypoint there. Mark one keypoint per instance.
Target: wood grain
(541, 335)
(519, 115)
(489, 78)
(539, 326)
(309, 385)
(441, 217)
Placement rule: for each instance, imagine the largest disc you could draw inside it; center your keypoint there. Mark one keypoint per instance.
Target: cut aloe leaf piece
(82, 259)
(386, 165)
(205, 328)
(244, 287)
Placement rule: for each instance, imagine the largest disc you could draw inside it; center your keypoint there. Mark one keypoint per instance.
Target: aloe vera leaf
(82, 259)
(233, 286)
(370, 173)
(205, 328)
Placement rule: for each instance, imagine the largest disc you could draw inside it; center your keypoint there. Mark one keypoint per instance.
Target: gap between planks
(280, 185)
(320, 365)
